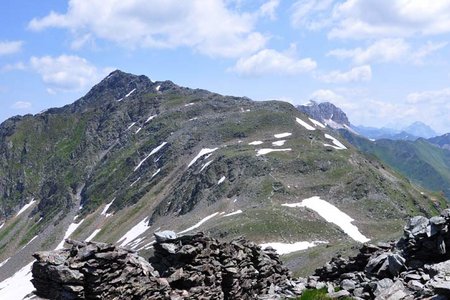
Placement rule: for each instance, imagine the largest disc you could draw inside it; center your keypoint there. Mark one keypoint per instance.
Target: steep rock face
(442, 141)
(327, 113)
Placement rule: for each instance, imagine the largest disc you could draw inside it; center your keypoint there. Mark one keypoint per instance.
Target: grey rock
(348, 284)
(165, 236)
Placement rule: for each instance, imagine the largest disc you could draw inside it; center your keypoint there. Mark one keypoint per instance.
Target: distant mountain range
(334, 117)
(416, 151)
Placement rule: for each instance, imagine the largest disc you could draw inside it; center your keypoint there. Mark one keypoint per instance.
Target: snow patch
(285, 248)
(282, 135)
(233, 213)
(1, 225)
(203, 167)
(222, 179)
(317, 123)
(104, 212)
(29, 242)
(199, 223)
(279, 143)
(304, 124)
(151, 153)
(156, 173)
(134, 232)
(268, 150)
(157, 87)
(337, 145)
(4, 262)
(333, 215)
(256, 143)
(193, 119)
(139, 129)
(150, 118)
(17, 286)
(189, 104)
(128, 95)
(134, 182)
(25, 207)
(89, 238)
(70, 230)
(202, 152)
(132, 124)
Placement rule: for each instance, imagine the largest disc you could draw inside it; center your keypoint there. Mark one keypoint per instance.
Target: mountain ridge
(115, 168)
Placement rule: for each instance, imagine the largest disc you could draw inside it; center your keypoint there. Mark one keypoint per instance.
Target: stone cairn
(186, 267)
(415, 267)
(199, 267)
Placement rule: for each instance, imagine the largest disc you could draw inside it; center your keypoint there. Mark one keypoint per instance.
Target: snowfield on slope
(285, 248)
(337, 145)
(304, 124)
(151, 153)
(25, 207)
(70, 230)
(332, 215)
(134, 232)
(202, 152)
(282, 135)
(317, 123)
(17, 286)
(197, 225)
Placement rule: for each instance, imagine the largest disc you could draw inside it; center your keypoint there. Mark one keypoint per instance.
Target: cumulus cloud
(10, 47)
(441, 96)
(67, 72)
(387, 50)
(269, 61)
(311, 14)
(327, 96)
(361, 73)
(20, 66)
(208, 26)
(396, 18)
(21, 105)
(269, 9)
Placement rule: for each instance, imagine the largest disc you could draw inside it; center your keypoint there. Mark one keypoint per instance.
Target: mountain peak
(326, 112)
(420, 129)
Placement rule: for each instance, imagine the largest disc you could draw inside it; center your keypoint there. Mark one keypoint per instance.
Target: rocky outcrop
(187, 267)
(325, 112)
(415, 267)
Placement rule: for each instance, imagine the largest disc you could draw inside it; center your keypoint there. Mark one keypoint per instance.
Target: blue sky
(386, 63)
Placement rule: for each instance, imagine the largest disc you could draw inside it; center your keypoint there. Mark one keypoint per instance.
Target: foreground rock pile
(200, 267)
(187, 267)
(416, 267)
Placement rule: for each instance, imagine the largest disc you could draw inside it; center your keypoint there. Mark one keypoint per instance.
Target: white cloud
(10, 47)
(327, 96)
(208, 26)
(312, 14)
(387, 50)
(21, 105)
(13, 67)
(269, 8)
(395, 18)
(361, 73)
(67, 72)
(269, 61)
(430, 97)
